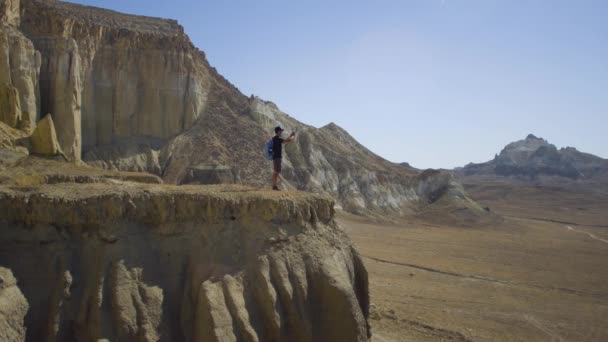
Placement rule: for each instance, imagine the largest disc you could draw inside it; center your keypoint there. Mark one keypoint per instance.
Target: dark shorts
(276, 165)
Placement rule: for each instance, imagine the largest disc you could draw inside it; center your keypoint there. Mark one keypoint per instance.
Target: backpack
(268, 153)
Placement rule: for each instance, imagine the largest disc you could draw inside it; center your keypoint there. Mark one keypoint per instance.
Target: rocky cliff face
(535, 157)
(104, 259)
(122, 76)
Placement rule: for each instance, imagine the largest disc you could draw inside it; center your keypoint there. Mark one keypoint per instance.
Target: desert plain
(537, 271)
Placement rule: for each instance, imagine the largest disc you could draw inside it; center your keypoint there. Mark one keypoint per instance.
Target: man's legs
(275, 178)
(276, 170)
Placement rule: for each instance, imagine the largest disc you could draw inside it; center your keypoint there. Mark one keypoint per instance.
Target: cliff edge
(119, 260)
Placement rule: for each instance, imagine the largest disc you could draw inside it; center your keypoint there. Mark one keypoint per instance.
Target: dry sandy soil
(538, 274)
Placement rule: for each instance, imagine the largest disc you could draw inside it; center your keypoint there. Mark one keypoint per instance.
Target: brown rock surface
(13, 308)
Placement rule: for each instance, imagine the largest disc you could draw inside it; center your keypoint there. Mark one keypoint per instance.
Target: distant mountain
(534, 157)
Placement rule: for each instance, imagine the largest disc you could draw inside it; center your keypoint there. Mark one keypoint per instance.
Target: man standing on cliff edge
(277, 154)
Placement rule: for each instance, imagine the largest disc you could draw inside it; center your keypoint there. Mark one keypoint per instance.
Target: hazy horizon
(433, 83)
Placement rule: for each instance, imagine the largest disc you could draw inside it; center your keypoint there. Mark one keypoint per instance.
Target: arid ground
(537, 273)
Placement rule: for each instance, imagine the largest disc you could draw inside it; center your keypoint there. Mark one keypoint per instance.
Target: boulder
(44, 139)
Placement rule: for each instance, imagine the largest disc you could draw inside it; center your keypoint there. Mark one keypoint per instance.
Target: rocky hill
(132, 93)
(89, 255)
(533, 158)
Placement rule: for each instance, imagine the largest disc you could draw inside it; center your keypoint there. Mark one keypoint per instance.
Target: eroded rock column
(61, 88)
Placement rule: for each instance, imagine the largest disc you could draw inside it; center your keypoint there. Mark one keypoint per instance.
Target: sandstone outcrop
(60, 90)
(13, 308)
(129, 75)
(44, 139)
(124, 261)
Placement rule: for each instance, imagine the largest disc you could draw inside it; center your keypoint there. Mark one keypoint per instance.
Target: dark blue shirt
(277, 147)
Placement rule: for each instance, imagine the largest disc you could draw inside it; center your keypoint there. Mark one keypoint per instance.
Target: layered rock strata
(126, 75)
(163, 263)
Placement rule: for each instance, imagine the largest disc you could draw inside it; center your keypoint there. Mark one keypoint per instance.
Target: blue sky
(436, 83)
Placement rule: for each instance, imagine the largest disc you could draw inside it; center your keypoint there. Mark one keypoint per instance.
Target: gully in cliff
(276, 151)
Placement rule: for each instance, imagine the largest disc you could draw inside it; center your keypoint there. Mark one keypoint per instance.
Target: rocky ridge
(132, 93)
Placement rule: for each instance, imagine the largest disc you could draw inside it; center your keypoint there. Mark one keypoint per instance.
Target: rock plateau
(90, 255)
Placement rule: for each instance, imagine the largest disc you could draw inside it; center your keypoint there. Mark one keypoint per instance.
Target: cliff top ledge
(111, 19)
(158, 204)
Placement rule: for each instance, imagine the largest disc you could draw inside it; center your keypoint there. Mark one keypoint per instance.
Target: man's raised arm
(290, 139)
